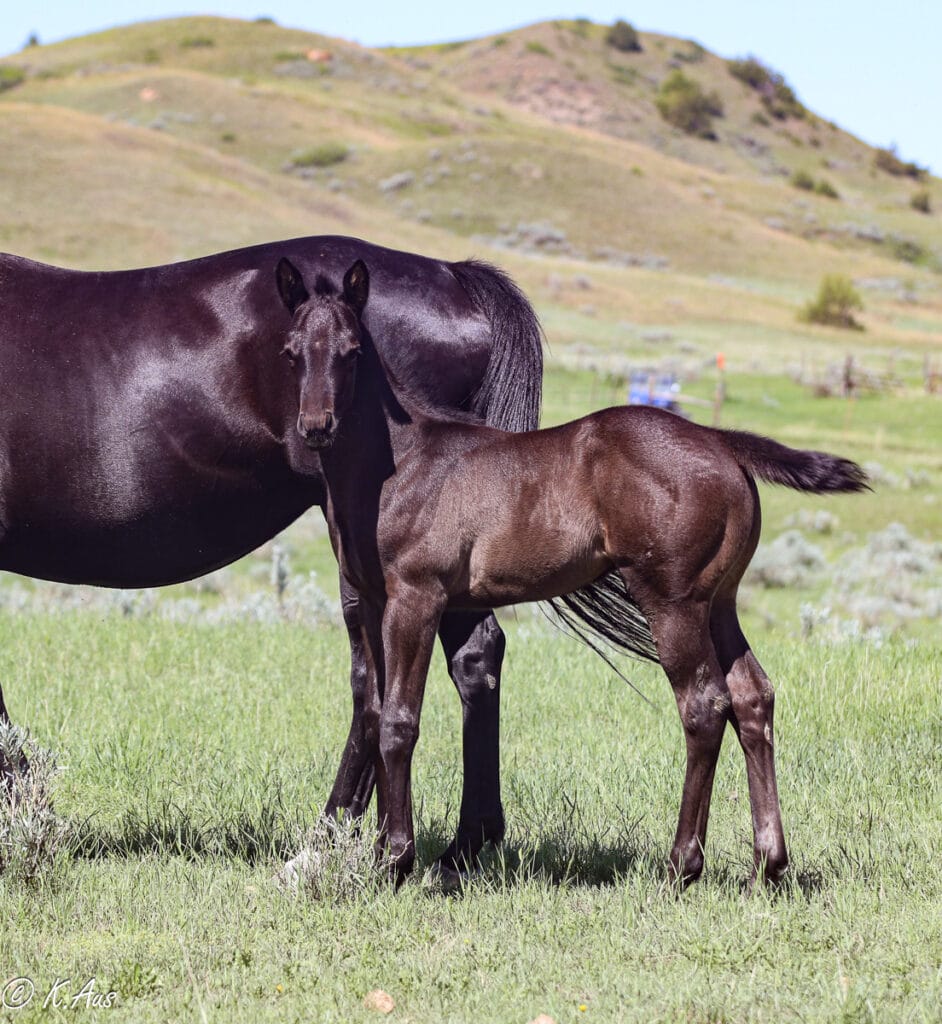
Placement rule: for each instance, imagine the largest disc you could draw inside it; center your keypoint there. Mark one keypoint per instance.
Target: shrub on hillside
(834, 305)
(682, 103)
(803, 180)
(824, 188)
(326, 154)
(921, 201)
(10, 76)
(535, 46)
(776, 94)
(889, 160)
(623, 37)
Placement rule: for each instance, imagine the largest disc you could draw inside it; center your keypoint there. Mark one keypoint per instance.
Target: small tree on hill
(682, 103)
(623, 37)
(834, 305)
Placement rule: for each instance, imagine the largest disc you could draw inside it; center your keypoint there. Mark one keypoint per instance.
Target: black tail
(775, 463)
(605, 609)
(510, 393)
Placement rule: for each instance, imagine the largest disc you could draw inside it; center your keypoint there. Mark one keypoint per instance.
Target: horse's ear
(290, 284)
(356, 286)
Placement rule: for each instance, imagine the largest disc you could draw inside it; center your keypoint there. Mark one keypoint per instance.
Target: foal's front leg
(410, 620)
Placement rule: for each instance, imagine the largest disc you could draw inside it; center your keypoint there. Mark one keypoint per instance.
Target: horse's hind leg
(356, 776)
(753, 704)
(685, 648)
(474, 643)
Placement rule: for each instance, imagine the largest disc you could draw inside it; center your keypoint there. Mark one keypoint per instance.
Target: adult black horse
(148, 435)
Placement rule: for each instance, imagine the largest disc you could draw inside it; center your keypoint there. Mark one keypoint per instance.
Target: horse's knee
(371, 726)
(475, 667)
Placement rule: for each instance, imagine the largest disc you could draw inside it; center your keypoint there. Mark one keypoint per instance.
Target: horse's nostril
(328, 421)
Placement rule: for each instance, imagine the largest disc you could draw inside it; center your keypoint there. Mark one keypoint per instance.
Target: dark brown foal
(453, 515)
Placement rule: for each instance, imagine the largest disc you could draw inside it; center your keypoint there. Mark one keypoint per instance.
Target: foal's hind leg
(474, 644)
(753, 704)
(684, 646)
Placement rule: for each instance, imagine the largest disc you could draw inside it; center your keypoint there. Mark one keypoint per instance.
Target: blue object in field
(659, 390)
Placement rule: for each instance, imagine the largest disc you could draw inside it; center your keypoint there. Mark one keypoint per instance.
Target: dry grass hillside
(543, 149)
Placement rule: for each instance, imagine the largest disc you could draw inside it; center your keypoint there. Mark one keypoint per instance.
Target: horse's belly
(166, 543)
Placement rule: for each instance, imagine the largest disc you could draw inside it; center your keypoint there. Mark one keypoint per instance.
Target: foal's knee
(705, 710)
(398, 732)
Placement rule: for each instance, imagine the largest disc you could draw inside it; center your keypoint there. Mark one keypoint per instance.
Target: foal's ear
(356, 286)
(290, 284)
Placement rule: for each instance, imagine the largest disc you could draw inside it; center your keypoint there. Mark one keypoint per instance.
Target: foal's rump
(679, 499)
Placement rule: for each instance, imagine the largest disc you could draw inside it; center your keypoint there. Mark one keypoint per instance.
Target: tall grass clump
(834, 305)
(336, 862)
(623, 36)
(32, 836)
(683, 103)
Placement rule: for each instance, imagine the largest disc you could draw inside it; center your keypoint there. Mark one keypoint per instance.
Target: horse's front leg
(356, 776)
(474, 644)
(410, 620)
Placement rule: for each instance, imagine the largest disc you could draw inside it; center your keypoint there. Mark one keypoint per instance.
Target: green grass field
(198, 746)
(193, 754)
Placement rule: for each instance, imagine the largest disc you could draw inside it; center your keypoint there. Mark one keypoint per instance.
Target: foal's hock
(428, 514)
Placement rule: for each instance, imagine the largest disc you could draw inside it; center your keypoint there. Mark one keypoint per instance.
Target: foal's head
(322, 346)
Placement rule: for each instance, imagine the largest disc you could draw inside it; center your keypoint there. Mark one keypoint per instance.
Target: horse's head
(322, 346)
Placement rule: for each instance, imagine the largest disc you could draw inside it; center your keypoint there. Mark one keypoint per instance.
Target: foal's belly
(511, 569)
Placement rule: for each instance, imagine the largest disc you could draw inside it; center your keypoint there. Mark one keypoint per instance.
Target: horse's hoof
(445, 878)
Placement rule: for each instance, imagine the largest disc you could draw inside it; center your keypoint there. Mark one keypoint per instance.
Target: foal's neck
(376, 431)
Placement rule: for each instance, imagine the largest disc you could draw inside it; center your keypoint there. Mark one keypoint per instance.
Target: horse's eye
(289, 355)
(351, 353)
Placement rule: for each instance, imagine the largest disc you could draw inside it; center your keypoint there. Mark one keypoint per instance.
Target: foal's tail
(816, 472)
(511, 390)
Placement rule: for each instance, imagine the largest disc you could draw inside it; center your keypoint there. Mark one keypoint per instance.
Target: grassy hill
(543, 149)
(546, 141)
